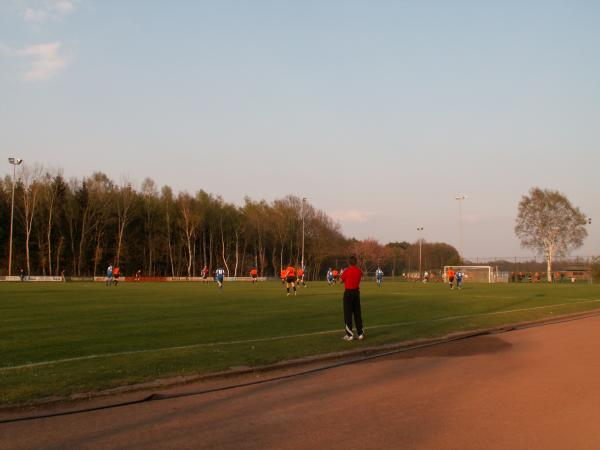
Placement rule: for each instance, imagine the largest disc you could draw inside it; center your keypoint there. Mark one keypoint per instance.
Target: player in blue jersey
(379, 276)
(220, 277)
(109, 275)
(330, 277)
(459, 279)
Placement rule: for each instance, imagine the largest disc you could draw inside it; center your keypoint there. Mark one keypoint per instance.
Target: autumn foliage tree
(369, 253)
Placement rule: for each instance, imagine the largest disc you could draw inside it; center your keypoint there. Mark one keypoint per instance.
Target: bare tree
(125, 197)
(549, 224)
(94, 199)
(167, 200)
(53, 190)
(32, 185)
(150, 194)
(190, 219)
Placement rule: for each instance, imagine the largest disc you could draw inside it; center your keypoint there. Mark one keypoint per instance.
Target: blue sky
(378, 112)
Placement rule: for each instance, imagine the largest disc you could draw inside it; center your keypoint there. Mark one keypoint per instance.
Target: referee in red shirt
(351, 279)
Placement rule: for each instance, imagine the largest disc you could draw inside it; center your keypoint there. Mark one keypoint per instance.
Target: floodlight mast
(460, 199)
(589, 221)
(14, 162)
(420, 242)
(302, 213)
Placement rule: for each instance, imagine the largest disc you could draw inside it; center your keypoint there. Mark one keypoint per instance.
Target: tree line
(80, 225)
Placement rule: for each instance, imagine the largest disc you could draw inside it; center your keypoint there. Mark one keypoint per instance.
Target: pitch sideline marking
(278, 338)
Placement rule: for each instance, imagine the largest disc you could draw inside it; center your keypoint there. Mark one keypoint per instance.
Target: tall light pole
(15, 162)
(589, 220)
(460, 199)
(420, 243)
(302, 212)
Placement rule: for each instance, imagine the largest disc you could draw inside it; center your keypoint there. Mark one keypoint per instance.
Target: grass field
(59, 339)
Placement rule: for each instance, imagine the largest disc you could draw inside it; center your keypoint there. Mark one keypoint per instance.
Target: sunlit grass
(40, 323)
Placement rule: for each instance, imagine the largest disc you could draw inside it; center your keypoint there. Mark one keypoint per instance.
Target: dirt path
(531, 389)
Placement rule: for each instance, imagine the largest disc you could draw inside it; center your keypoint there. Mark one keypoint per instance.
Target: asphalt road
(537, 388)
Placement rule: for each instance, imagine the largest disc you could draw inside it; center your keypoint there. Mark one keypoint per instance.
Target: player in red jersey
(351, 278)
(301, 277)
(116, 275)
(451, 277)
(290, 279)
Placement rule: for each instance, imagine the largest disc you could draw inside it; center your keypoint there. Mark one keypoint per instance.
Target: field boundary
(279, 338)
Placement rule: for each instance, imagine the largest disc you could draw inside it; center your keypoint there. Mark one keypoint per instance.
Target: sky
(380, 113)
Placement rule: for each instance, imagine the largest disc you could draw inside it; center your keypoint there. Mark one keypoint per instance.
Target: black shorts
(290, 280)
(451, 279)
(253, 276)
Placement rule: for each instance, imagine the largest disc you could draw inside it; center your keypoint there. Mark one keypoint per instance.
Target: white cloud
(35, 15)
(45, 60)
(62, 6)
(50, 9)
(351, 215)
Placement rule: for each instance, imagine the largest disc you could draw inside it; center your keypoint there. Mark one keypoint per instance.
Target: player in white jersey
(459, 279)
(219, 277)
(379, 276)
(109, 275)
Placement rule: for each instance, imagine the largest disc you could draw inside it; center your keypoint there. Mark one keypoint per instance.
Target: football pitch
(59, 339)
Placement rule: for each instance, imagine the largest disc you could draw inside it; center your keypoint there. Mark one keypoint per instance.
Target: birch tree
(549, 224)
(53, 191)
(94, 200)
(190, 220)
(31, 180)
(167, 201)
(150, 195)
(125, 197)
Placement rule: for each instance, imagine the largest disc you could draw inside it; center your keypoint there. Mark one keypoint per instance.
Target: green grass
(47, 322)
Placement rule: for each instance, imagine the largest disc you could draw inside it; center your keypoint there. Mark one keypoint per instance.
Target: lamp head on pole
(461, 197)
(15, 161)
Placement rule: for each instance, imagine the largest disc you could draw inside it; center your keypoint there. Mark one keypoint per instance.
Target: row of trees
(79, 226)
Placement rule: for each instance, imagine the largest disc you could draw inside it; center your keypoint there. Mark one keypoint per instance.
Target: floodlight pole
(420, 260)
(14, 162)
(589, 221)
(460, 199)
(302, 212)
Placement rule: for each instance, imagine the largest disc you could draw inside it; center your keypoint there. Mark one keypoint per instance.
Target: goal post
(473, 274)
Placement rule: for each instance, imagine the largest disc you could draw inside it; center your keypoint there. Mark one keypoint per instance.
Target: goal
(474, 274)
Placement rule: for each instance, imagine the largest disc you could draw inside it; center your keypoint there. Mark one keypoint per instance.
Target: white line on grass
(278, 338)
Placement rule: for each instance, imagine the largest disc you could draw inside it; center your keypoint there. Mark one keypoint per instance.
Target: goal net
(473, 274)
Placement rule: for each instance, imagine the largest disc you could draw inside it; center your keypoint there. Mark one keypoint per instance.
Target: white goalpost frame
(465, 268)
